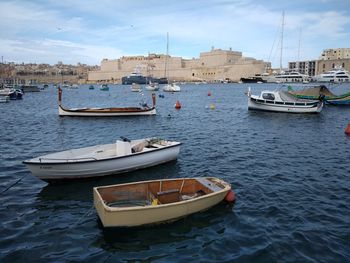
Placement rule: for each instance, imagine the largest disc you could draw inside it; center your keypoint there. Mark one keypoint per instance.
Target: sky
(87, 31)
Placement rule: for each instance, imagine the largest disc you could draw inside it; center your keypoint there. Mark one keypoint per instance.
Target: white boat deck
(101, 152)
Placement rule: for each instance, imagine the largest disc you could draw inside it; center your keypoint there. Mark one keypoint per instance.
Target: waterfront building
(328, 60)
(336, 53)
(212, 66)
(303, 67)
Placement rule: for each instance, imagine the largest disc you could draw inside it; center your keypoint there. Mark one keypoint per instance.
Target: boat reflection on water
(193, 228)
(80, 189)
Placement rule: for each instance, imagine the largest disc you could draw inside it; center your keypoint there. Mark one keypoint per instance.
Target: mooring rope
(12, 185)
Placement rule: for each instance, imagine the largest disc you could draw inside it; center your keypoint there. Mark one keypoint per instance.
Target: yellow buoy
(212, 106)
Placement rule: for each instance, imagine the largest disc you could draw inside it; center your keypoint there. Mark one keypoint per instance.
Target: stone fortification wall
(214, 65)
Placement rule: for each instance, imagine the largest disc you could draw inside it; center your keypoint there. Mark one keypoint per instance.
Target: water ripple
(289, 173)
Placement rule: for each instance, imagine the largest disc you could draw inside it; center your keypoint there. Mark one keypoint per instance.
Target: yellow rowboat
(157, 201)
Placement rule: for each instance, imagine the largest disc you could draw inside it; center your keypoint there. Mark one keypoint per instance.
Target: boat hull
(94, 167)
(155, 214)
(106, 112)
(266, 105)
(129, 80)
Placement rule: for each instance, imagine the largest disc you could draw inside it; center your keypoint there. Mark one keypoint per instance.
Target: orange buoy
(347, 130)
(230, 196)
(177, 105)
(209, 94)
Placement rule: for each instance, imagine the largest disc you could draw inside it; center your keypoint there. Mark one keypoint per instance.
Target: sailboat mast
(282, 41)
(166, 56)
(297, 65)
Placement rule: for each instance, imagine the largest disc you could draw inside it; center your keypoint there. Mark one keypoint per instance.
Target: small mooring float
(177, 105)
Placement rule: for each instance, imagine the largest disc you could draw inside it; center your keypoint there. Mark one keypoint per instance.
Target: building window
(324, 66)
(192, 74)
(333, 65)
(343, 65)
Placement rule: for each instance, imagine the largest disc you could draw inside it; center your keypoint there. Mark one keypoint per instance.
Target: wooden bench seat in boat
(208, 184)
(169, 196)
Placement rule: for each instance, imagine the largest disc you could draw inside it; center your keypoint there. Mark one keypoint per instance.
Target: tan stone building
(333, 58)
(215, 65)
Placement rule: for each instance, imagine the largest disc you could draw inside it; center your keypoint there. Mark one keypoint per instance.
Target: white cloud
(78, 29)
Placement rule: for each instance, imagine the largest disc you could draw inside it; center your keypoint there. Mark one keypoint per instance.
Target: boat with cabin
(158, 201)
(337, 75)
(95, 161)
(288, 77)
(137, 78)
(172, 87)
(281, 101)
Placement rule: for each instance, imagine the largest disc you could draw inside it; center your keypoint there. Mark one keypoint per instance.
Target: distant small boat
(106, 112)
(12, 93)
(136, 87)
(280, 101)
(152, 86)
(157, 201)
(30, 88)
(91, 87)
(104, 87)
(100, 160)
(314, 93)
(66, 86)
(255, 79)
(171, 88)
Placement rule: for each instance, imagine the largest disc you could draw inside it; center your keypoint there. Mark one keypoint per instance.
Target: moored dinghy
(280, 101)
(157, 201)
(100, 160)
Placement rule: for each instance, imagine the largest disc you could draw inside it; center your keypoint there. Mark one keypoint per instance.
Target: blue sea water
(289, 172)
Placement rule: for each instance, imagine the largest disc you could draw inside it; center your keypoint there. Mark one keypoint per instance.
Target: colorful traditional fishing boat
(313, 93)
(106, 112)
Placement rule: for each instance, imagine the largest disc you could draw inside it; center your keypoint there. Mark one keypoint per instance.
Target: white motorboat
(171, 88)
(335, 75)
(101, 160)
(287, 77)
(152, 86)
(280, 101)
(158, 201)
(136, 87)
